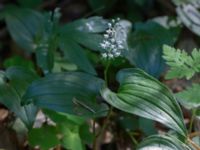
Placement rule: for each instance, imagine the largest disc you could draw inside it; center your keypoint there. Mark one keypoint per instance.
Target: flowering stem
(106, 72)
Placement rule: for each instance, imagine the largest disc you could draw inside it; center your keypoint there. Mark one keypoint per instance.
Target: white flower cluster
(110, 44)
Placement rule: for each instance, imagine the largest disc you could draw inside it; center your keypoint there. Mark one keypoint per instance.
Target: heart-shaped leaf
(143, 95)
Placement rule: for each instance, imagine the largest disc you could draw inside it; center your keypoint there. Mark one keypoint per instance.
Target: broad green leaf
(18, 61)
(69, 92)
(91, 41)
(13, 84)
(24, 25)
(74, 130)
(189, 14)
(145, 46)
(75, 54)
(47, 41)
(162, 142)
(44, 137)
(142, 95)
(71, 138)
(89, 25)
(147, 126)
(45, 59)
(64, 118)
(190, 97)
(61, 64)
(85, 32)
(182, 64)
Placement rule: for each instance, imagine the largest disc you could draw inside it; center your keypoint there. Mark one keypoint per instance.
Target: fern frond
(181, 64)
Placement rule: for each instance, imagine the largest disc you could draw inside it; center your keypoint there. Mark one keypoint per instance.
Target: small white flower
(103, 45)
(117, 54)
(109, 31)
(120, 46)
(106, 36)
(111, 44)
(110, 55)
(104, 55)
(107, 43)
(119, 42)
(114, 50)
(112, 40)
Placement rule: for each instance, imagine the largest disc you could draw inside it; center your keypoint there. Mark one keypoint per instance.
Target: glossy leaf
(89, 25)
(84, 32)
(145, 46)
(24, 25)
(69, 92)
(143, 95)
(190, 16)
(162, 142)
(13, 84)
(75, 54)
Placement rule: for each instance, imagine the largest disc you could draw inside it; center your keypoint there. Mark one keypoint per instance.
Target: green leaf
(69, 92)
(84, 32)
(71, 139)
(44, 137)
(45, 59)
(73, 129)
(142, 95)
(147, 126)
(189, 14)
(64, 118)
(18, 61)
(190, 98)
(145, 46)
(89, 25)
(74, 53)
(23, 25)
(162, 142)
(182, 64)
(47, 41)
(13, 84)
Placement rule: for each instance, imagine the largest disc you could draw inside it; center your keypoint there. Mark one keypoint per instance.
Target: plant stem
(192, 119)
(106, 72)
(106, 122)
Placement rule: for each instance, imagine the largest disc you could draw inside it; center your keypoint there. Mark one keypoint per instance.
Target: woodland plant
(63, 79)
